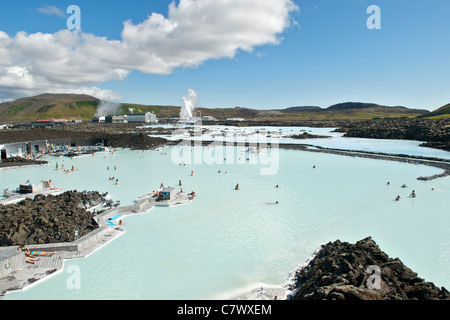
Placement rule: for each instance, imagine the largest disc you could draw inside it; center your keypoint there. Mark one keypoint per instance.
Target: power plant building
(148, 117)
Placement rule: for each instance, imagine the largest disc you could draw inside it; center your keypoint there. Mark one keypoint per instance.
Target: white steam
(107, 108)
(190, 101)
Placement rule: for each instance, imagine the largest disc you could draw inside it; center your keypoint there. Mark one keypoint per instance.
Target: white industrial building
(148, 117)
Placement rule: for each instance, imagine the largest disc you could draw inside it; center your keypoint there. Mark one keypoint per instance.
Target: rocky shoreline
(19, 161)
(306, 135)
(49, 219)
(360, 271)
(109, 135)
(434, 132)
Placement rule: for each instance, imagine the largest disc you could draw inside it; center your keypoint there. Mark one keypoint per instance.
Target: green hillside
(159, 111)
(336, 112)
(441, 113)
(50, 106)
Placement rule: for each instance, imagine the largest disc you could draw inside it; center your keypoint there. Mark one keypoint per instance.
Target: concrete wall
(58, 143)
(15, 149)
(18, 149)
(37, 146)
(11, 260)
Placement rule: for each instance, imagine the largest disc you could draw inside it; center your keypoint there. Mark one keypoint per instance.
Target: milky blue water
(334, 140)
(231, 239)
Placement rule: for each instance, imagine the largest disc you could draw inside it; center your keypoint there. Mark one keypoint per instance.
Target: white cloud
(52, 11)
(106, 95)
(192, 33)
(16, 76)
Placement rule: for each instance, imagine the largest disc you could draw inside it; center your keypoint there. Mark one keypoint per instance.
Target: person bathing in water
(161, 188)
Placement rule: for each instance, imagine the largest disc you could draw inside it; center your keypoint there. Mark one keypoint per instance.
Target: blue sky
(318, 53)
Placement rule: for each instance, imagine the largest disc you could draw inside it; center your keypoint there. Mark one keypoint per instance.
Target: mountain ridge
(84, 107)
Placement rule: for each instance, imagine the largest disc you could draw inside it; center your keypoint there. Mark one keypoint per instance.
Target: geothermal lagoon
(228, 241)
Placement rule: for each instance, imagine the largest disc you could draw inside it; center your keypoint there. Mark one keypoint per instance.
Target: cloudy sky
(250, 53)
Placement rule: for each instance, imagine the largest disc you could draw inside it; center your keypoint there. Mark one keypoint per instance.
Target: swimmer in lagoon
(398, 198)
(237, 187)
(413, 194)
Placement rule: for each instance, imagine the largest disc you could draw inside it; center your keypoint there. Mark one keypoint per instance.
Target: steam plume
(190, 101)
(107, 108)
